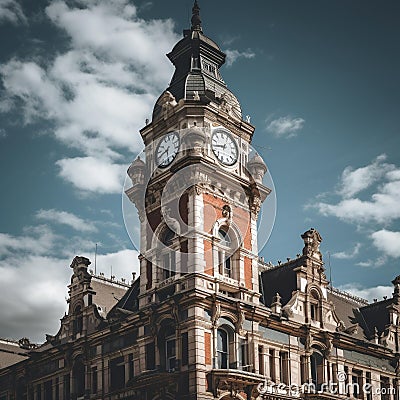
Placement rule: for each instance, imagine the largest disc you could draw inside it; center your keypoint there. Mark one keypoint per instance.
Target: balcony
(234, 380)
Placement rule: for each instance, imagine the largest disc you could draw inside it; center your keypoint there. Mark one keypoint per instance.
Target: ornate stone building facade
(207, 319)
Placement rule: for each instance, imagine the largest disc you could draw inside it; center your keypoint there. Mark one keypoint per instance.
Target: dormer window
(209, 68)
(78, 321)
(315, 309)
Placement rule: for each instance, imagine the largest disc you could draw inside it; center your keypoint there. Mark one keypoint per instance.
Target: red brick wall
(207, 347)
(241, 217)
(208, 258)
(248, 273)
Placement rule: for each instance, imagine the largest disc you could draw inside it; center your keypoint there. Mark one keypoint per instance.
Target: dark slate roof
(197, 60)
(347, 309)
(11, 353)
(108, 293)
(376, 315)
(128, 303)
(282, 280)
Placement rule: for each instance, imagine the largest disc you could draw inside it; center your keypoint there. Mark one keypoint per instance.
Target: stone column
(349, 381)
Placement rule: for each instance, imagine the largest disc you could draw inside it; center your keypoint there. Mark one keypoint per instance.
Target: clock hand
(165, 151)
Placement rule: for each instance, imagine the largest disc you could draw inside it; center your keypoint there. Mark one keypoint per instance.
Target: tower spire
(196, 20)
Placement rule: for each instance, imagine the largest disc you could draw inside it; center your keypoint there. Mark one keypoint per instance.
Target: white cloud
(285, 127)
(233, 55)
(373, 263)
(354, 181)
(342, 255)
(66, 218)
(383, 206)
(369, 294)
(372, 210)
(42, 259)
(99, 92)
(3, 133)
(12, 12)
(36, 240)
(92, 174)
(122, 264)
(33, 291)
(388, 242)
(228, 39)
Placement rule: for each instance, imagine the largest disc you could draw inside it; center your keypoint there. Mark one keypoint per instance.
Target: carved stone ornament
(397, 367)
(230, 105)
(341, 327)
(216, 312)
(241, 318)
(79, 265)
(328, 344)
(312, 240)
(227, 211)
(154, 326)
(171, 222)
(168, 102)
(291, 307)
(308, 340)
(199, 190)
(255, 205)
(175, 313)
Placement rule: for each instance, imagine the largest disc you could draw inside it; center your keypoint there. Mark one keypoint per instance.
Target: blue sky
(78, 79)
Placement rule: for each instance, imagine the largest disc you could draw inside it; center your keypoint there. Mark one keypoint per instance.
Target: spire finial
(196, 20)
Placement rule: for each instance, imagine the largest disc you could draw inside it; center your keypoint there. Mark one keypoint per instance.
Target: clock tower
(198, 192)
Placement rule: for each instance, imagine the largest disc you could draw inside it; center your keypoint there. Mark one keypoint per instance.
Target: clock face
(167, 149)
(224, 147)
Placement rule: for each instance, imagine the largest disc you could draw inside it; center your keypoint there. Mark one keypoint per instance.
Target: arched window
(167, 346)
(317, 369)
(78, 321)
(315, 309)
(222, 349)
(225, 252)
(168, 254)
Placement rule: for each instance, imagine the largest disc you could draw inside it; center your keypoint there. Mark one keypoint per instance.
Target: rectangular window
(313, 311)
(169, 264)
(185, 348)
(385, 388)
(48, 390)
(150, 356)
(117, 373)
(131, 364)
(39, 392)
(228, 269)
(170, 349)
(149, 275)
(369, 383)
(57, 389)
(67, 387)
(244, 356)
(221, 262)
(304, 369)
(357, 383)
(94, 380)
(272, 372)
(261, 360)
(284, 367)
